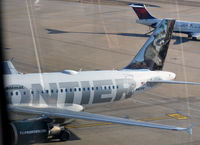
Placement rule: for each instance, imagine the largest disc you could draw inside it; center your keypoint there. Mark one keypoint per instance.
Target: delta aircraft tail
(153, 53)
(141, 11)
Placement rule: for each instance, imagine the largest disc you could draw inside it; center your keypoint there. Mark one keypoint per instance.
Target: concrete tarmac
(85, 35)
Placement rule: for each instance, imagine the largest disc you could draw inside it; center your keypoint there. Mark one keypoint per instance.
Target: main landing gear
(61, 133)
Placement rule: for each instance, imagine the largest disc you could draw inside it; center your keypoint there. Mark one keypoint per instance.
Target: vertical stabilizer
(141, 11)
(8, 68)
(153, 53)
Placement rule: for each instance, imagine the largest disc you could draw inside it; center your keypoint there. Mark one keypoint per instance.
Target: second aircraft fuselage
(179, 27)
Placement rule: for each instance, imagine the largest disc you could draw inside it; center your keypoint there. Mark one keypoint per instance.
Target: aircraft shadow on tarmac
(118, 2)
(179, 40)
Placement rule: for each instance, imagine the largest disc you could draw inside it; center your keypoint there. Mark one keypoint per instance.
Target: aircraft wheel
(64, 135)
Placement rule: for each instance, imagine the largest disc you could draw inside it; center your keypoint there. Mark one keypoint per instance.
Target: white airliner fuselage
(83, 88)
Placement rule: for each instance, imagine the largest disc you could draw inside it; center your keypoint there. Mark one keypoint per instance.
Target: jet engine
(36, 130)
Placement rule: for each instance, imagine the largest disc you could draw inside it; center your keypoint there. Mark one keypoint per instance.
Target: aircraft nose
(172, 76)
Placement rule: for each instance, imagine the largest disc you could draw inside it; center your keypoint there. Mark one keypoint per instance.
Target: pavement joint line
(152, 119)
(89, 125)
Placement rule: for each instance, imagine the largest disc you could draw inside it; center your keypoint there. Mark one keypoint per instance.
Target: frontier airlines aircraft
(64, 94)
(192, 29)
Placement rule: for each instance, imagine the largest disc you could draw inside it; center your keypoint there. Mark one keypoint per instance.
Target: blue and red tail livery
(141, 11)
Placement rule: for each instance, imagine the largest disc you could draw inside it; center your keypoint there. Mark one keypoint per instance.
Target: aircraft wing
(195, 35)
(173, 82)
(64, 113)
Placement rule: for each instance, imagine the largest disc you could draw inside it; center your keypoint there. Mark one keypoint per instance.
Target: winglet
(189, 129)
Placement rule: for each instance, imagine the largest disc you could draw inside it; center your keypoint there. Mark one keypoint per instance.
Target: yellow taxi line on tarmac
(178, 116)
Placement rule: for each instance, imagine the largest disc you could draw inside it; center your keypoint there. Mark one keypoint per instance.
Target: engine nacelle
(32, 130)
(37, 130)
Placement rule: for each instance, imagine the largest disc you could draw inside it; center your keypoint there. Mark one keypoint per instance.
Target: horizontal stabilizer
(173, 82)
(64, 113)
